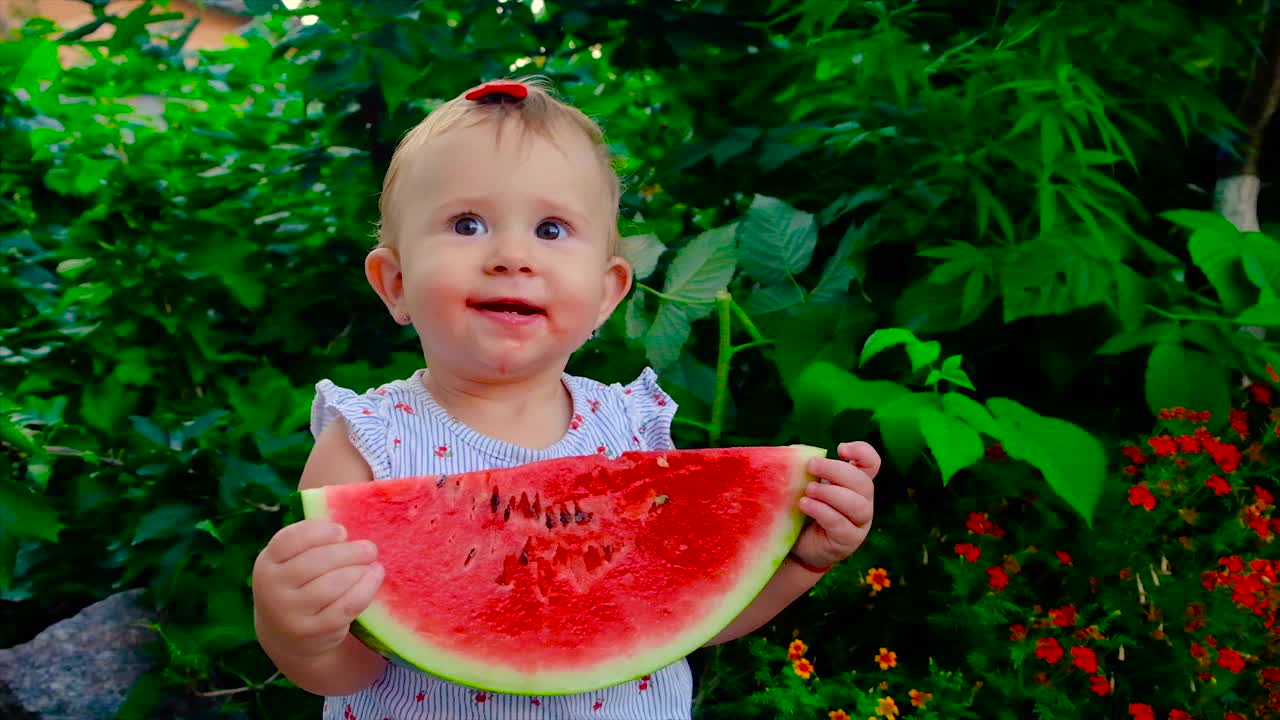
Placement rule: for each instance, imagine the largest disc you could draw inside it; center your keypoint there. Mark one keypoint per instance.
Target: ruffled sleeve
(651, 410)
(368, 420)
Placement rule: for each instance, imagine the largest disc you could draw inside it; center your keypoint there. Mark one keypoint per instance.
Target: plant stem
(747, 346)
(745, 319)
(1201, 318)
(723, 304)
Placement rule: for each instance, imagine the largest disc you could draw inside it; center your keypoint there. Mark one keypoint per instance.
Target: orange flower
(803, 668)
(887, 708)
(918, 699)
(797, 650)
(1275, 377)
(887, 658)
(878, 579)
(838, 715)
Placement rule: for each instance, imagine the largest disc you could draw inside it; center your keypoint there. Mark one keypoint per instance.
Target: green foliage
(822, 198)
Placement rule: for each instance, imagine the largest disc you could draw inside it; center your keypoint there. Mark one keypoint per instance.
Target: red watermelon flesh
(571, 574)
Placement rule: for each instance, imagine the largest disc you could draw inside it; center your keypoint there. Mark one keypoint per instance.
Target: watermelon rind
(377, 628)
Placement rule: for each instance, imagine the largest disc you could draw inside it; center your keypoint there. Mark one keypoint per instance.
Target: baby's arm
(788, 583)
(309, 584)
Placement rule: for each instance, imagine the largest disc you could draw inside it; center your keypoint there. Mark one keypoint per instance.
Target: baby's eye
(468, 225)
(550, 230)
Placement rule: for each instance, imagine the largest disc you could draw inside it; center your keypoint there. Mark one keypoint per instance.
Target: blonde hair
(540, 112)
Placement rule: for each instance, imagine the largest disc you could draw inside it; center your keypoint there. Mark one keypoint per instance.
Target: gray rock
(83, 668)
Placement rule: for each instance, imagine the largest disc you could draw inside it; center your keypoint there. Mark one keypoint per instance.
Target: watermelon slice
(574, 574)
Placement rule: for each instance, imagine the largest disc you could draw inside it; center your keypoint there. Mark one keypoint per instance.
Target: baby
(499, 244)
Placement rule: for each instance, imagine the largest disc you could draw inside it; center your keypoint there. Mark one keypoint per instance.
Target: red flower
(1017, 632)
(1084, 658)
(1233, 716)
(1049, 650)
(1099, 685)
(1064, 616)
(1265, 499)
(1240, 422)
(1134, 453)
(969, 551)
(999, 579)
(1230, 660)
(1188, 444)
(1272, 372)
(1271, 675)
(1141, 711)
(1139, 496)
(1233, 564)
(1217, 484)
(1163, 445)
(1063, 557)
(1178, 715)
(1198, 652)
(979, 524)
(996, 453)
(1226, 455)
(1261, 393)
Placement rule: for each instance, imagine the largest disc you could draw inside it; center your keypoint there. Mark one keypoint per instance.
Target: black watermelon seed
(441, 481)
(470, 555)
(495, 499)
(506, 514)
(564, 516)
(550, 523)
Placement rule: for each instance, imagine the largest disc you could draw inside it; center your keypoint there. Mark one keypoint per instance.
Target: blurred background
(1009, 242)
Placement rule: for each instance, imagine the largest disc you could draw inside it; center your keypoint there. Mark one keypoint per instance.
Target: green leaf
(637, 322)
(1178, 376)
(972, 412)
(833, 286)
(954, 444)
(776, 240)
(1215, 247)
(921, 353)
(1073, 462)
(765, 300)
(824, 390)
(1260, 257)
(667, 336)
(1125, 341)
(166, 521)
(704, 267)
(899, 421)
(1265, 314)
(643, 252)
(25, 514)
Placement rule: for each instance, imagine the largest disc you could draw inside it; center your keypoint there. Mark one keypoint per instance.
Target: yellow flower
(887, 659)
(838, 715)
(797, 650)
(878, 579)
(888, 708)
(803, 668)
(919, 699)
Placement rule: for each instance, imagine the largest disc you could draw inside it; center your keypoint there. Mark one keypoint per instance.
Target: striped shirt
(402, 432)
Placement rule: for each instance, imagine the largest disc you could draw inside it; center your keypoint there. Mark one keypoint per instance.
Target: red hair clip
(498, 91)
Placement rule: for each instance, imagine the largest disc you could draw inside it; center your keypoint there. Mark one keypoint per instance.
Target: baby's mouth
(514, 306)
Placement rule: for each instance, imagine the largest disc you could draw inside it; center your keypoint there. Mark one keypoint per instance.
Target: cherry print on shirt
(421, 696)
(662, 401)
(396, 442)
(599, 704)
(481, 697)
(349, 714)
(366, 411)
(403, 407)
(627, 391)
(635, 439)
(644, 683)
(595, 405)
(577, 422)
(535, 701)
(443, 451)
(382, 391)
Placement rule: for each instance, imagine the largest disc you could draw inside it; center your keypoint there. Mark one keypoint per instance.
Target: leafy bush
(822, 196)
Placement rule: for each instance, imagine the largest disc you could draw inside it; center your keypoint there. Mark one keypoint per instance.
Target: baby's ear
(617, 283)
(382, 270)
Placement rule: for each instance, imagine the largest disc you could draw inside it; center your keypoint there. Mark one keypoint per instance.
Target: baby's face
(505, 249)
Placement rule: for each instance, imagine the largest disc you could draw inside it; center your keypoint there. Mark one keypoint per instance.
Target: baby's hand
(308, 585)
(842, 507)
